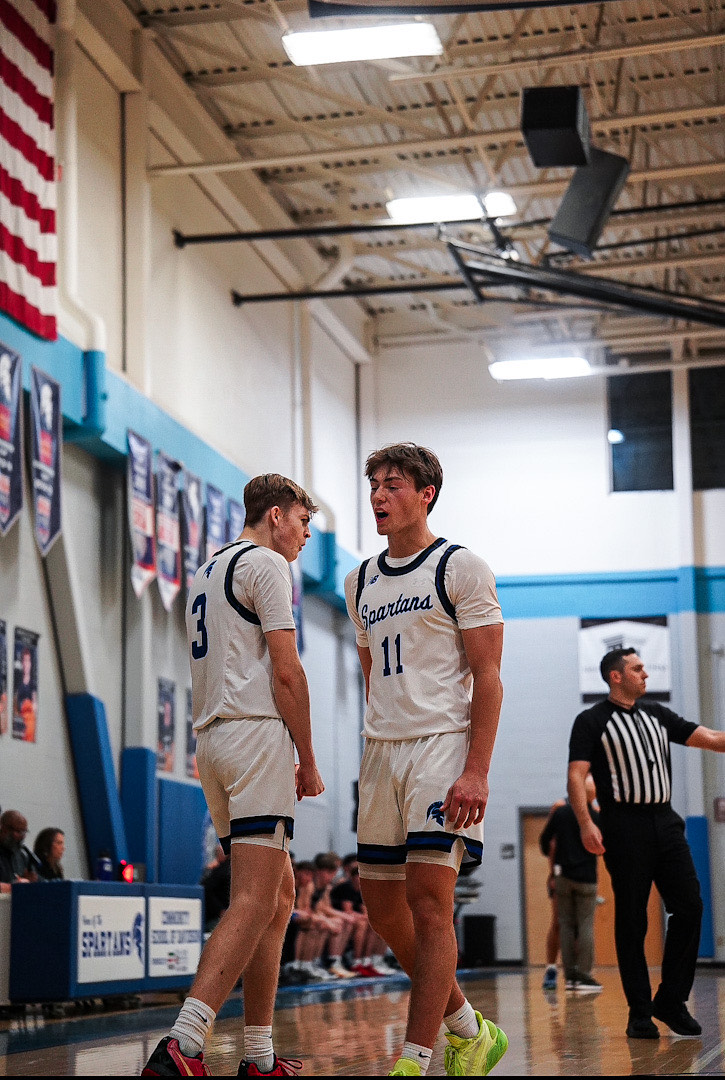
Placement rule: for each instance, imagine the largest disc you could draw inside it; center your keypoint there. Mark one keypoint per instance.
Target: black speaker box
(555, 125)
(479, 940)
(588, 202)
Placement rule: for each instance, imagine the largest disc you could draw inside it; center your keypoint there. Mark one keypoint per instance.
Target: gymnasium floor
(356, 1031)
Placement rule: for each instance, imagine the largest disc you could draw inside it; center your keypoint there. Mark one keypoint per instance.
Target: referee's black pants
(646, 844)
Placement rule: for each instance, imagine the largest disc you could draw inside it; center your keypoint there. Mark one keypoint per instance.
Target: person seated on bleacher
(368, 948)
(327, 865)
(16, 862)
(49, 848)
(311, 930)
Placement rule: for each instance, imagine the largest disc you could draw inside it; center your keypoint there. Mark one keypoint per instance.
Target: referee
(626, 748)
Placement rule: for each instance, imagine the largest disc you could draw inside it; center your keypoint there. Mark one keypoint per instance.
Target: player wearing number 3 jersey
(250, 708)
(429, 635)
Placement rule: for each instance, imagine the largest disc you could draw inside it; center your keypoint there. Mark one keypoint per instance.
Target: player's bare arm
(465, 803)
(591, 836)
(366, 663)
(704, 738)
(289, 684)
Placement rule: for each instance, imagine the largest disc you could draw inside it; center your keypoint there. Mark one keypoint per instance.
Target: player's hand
(465, 803)
(592, 839)
(308, 781)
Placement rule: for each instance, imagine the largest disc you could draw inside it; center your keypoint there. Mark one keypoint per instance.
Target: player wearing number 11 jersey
(429, 635)
(250, 709)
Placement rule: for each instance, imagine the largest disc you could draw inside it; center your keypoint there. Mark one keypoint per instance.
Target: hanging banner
(140, 488)
(192, 768)
(47, 439)
(11, 438)
(167, 725)
(25, 685)
(235, 520)
(216, 520)
(192, 516)
(167, 529)
(347, 8)
(3, 677)
(649, 636)
(296, 572)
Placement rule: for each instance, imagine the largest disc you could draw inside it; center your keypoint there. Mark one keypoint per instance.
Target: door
(537, 906)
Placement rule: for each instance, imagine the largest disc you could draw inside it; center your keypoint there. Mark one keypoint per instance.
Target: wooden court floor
(358, 1030)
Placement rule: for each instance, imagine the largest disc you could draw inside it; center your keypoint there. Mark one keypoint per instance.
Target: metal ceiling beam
(214, 12)
(584, 56)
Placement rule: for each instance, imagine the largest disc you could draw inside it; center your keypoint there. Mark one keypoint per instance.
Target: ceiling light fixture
(499, 204)
(309, 47)
(543, 367)
(615, 436)
(435, 208)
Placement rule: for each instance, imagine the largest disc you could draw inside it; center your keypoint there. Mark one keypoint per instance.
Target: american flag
(27, 165)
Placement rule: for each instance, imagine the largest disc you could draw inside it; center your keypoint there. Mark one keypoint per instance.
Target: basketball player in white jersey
(429, 635)
(251, 709)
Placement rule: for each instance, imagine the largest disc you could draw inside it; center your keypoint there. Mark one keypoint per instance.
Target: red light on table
(126, 871)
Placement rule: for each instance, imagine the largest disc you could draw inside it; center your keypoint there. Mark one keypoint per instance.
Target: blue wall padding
(139, 803)
(182, 814)
(97, 788)
(696, 832)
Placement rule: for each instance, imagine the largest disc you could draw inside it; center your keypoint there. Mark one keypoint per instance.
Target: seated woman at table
(49, 848)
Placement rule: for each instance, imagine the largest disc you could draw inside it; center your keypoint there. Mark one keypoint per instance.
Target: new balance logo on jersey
(370, 616)
(373, 579)
(210, 567)
(435, 811)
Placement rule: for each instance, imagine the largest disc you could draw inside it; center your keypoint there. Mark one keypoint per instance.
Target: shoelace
(452, 1061)
(289, 1066)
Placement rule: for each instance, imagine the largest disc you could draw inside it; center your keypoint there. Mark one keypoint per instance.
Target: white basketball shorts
(247, 771)
(403, 785)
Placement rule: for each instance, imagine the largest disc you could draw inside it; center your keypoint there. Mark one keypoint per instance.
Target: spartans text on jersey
(370, 616)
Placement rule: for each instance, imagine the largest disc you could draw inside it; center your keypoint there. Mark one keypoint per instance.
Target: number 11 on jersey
(386, 653)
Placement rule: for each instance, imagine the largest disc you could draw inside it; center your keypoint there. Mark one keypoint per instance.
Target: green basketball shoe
(405, 1067)
(475, 1057)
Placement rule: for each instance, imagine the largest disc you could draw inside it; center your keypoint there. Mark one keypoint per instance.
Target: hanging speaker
(588, 202)
(555, 125)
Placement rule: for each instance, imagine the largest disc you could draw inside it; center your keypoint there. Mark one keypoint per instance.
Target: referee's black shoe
(641, 1027)
(677, 1017)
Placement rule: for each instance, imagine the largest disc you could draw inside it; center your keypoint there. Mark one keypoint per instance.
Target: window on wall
(707, 427)
(640, 431)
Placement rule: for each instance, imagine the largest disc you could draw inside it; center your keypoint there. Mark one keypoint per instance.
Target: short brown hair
(271, 489)
(417, 462)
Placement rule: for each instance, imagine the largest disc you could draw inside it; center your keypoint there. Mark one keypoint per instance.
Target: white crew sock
(463, 1022)
(258, 1046)
(421, 1055)
(192, 1026)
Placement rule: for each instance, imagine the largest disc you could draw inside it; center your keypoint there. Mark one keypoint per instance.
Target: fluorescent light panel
(362, 43)
(435, 208)
(499, 204)
(556, 367)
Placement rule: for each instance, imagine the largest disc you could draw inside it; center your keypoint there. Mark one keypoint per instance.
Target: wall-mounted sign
(648, 635)
(166, 725)
(46, 433)
(11, 438)
(216, 520)
(192, 522)
(111, 938)
(140, 487)
(168, 543)
(235, 521)
(25, 685)
(175, 936)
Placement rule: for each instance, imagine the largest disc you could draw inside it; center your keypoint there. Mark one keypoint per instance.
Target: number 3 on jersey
(386, 653)
(200, 647)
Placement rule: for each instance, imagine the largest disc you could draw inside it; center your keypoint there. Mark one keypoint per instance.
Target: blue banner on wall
(166, 725)
(47, 441)
(216, 520)
(140, 486)
(3, 677)
(235, 521)
(25, 685)
(192, 519)
(11, 438)
(167, 529)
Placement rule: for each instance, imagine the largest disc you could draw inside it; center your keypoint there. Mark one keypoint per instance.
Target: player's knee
(430, 911)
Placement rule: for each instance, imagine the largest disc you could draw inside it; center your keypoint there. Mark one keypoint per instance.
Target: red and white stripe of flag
(28, 247)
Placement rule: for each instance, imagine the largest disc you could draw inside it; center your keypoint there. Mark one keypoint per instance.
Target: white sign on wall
(111, 938)
(175, 935)
(650, 637)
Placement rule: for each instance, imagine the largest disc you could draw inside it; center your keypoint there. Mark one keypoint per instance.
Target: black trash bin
(479, 940)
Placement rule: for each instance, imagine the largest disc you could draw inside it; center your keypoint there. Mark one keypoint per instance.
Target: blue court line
(23, 1036)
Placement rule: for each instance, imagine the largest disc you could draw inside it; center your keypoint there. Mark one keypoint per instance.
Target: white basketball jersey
(410, 614)
(236, 597)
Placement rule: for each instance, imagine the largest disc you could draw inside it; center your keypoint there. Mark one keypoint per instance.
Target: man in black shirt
(575, 883)
(15, 859)
(626, 747)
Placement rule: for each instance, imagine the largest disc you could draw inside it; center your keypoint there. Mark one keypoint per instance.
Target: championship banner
(192, 769)
(47, 440)
(236, 519)
(25, 685)
(216, 520)
(11, 438)
(342, 8)
(140, 488)
(167, 725)
(649, 636)
(167, 529)
(3, 677)
(192, 516)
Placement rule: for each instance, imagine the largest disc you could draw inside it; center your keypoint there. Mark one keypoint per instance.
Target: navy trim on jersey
(443, 596)
(261, 826)
(240, 609)
(360, 583)
(474, 850)
(429, 841)
(381, 854)
(395, 571)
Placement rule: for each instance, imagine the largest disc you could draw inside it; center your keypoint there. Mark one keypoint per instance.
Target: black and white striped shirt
(629, 750)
